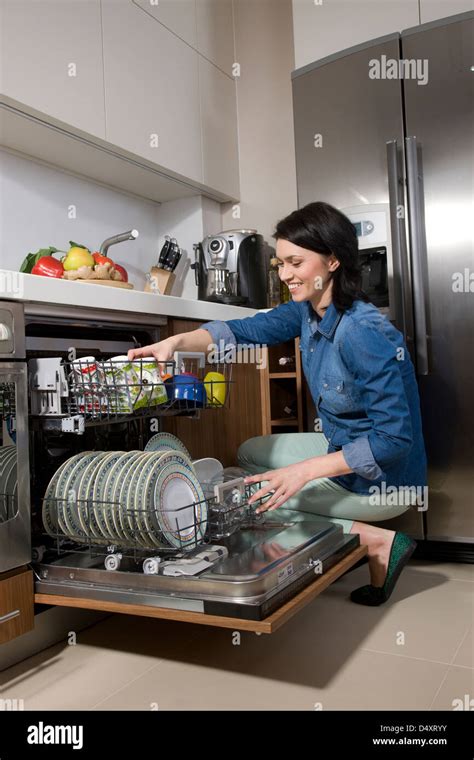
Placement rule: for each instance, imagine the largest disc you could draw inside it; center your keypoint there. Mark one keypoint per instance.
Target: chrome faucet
(130, 235)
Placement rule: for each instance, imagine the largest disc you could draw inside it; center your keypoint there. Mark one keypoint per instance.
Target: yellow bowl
(216, 388)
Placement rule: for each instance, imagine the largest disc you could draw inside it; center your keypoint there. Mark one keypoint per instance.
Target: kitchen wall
(264, 51)
(41, 206)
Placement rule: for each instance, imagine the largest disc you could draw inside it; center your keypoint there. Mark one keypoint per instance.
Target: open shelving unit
(281, 391)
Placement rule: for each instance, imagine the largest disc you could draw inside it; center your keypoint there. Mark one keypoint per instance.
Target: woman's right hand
(162, 351)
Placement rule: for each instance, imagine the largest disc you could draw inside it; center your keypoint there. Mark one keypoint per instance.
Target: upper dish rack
(68, 395)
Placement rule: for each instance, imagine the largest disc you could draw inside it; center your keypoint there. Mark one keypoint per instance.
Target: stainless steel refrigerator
(385, 132)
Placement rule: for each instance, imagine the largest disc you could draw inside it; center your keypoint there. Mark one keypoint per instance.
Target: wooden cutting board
(110, 283)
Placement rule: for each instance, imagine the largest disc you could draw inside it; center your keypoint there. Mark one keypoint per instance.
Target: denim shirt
(362, 381)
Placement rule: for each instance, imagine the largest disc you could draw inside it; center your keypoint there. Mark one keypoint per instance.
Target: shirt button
(309, 319)
(311, 350)
(325, 385)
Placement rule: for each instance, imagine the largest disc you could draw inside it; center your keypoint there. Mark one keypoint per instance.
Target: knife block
(159, 281)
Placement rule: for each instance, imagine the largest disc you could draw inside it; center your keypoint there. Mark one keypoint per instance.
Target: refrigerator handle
(418, 253)
(403, 304)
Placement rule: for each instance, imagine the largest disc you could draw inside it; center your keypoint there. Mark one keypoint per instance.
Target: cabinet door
(215, 32)
(430, 10)
(151, 89)
(334, 25)
(16, 604)
(51, 59)
(178, 16)
(220, 147)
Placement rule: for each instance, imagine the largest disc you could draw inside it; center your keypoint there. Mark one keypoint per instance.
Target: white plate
(143, 502)
(166, 442)
(179, 507)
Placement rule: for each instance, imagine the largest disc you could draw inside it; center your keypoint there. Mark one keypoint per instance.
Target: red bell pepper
(48, 266)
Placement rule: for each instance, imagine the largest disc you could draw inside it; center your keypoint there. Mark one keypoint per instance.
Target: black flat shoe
(402, 548)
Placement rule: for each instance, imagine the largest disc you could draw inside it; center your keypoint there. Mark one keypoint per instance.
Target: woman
(362, 381)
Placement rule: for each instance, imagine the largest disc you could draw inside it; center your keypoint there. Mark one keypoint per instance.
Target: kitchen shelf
(280, 390)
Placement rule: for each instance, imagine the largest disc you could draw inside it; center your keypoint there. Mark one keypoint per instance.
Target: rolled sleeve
(360, 458)
(220, 333)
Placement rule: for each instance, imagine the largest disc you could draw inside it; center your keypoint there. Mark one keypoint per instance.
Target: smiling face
(307, 274)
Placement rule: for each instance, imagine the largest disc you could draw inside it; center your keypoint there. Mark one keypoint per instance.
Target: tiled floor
(415, 652)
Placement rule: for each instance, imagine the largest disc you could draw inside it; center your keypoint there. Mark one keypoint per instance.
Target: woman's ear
(333, 263)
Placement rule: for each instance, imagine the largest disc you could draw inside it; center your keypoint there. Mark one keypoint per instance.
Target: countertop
(30, 288)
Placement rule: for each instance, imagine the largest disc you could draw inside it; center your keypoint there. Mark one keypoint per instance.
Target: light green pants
(321, 498)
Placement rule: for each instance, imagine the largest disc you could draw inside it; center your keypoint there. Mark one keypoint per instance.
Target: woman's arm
(267, 328)
(287, 481)
(196, 340)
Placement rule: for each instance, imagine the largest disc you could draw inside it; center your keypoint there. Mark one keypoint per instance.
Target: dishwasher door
(15, 529)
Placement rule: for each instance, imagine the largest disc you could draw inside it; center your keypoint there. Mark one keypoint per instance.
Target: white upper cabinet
(321, 29)
(219, 129)
(51, 59)
(177, 15)
(151, 89)
(215, 32)
(431, 10)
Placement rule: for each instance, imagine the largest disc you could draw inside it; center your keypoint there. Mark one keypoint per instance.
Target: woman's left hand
(284, 482)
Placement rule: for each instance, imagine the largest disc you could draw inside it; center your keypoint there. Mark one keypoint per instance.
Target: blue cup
(186, 391)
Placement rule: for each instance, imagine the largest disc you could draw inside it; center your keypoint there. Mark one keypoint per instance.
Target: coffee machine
(230, 267)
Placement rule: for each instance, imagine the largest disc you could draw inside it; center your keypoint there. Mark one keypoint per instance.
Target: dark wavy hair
(324, 229)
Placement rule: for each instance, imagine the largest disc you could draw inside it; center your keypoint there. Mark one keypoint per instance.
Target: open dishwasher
(120, 520)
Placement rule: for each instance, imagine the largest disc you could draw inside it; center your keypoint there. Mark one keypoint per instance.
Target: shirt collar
(327, 325)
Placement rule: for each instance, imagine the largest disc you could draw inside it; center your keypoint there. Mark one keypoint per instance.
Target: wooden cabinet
(51, 60)
(430, 10)
(16, 603)
(151, 89)
(178, 16)
(215, 32)
(220, 150)
(257, 392)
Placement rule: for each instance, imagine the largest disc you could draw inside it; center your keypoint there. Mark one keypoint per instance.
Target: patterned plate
(50, 508)
(148, 500)
(77, 527)
(142, 505)
(85, 495)
(101, 510)
(125, 494)
(176, 494)
(166, 442)
(112, 514)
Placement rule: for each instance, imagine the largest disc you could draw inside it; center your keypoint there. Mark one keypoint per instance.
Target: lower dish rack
(120, 535)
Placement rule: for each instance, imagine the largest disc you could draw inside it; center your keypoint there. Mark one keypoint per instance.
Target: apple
(77, 257)
(122, 272)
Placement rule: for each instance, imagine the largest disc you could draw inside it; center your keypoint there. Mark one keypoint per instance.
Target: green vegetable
(32, 258)
(77, 245)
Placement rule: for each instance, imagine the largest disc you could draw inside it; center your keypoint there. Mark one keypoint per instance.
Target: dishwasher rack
(67, 396)
(121, 536)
